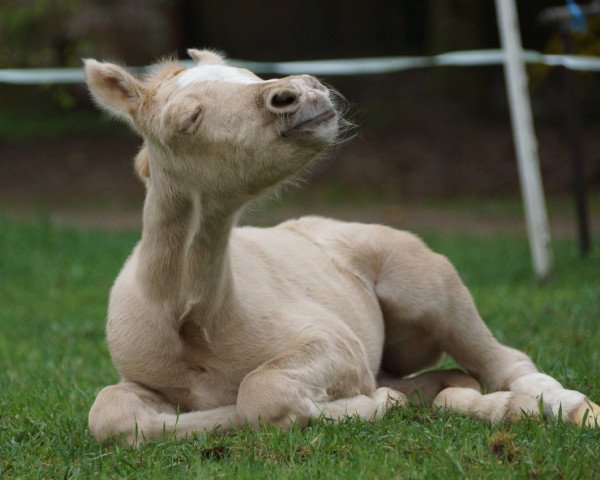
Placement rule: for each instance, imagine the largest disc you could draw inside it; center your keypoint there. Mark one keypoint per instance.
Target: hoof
(389, 397)
(385, 398)
(587, 415)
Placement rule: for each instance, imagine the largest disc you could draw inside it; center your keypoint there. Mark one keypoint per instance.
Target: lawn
(53, 291)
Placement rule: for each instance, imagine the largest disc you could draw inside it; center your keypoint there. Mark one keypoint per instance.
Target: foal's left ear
(206, 57)
(113, 88)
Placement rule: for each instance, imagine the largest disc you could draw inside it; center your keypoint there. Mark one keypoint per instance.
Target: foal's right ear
(113, 88)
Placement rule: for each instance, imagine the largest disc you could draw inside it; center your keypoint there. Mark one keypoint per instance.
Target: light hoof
(386, 398)
(587, 415)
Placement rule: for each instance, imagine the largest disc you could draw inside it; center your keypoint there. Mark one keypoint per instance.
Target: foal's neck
(184, 251)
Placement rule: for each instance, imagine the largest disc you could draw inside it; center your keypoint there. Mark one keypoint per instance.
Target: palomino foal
(215, 326)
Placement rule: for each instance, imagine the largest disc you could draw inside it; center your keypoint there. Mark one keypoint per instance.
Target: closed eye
(191, 122)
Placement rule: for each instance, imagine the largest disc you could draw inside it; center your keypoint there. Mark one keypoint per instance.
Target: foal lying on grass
(216, 326)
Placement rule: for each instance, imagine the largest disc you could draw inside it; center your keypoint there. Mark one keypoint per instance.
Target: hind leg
(418, 289)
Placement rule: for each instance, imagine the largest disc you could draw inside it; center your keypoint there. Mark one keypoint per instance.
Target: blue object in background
(577, 23)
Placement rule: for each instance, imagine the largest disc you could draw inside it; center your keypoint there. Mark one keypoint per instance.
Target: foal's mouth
(311, 122)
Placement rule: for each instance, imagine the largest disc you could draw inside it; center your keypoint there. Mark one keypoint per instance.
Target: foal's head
(218, 128)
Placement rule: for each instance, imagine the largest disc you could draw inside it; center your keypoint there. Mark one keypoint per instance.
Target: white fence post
(524, 138)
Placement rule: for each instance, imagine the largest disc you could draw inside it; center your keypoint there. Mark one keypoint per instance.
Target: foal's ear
(113, 88)
(206, 57)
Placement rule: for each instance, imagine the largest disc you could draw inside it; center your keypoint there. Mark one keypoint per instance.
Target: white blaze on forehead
(207, 73)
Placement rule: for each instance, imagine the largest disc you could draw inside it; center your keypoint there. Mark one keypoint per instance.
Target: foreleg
(320, 377)
(130, 413)
(366, 407)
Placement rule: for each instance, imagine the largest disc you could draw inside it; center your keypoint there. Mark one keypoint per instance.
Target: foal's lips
(311, 122)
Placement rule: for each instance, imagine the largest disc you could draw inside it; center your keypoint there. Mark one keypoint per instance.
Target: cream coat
(215, 326)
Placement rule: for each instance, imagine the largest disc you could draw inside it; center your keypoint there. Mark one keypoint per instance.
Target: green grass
(53, 289)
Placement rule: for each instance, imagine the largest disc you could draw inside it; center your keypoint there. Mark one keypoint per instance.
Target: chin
(323, 136)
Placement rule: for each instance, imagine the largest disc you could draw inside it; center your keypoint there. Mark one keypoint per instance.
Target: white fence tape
(354, 66)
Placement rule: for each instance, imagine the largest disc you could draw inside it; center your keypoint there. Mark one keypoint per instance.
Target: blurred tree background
(436, 132)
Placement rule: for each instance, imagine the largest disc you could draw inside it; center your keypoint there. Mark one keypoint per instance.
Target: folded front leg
(129, 413)
(366, 407)
(325, 375)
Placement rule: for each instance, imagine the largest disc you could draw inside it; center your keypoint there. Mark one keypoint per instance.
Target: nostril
(283, 98)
